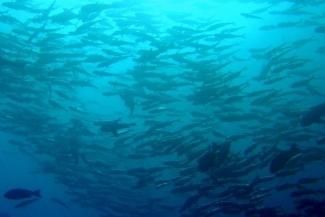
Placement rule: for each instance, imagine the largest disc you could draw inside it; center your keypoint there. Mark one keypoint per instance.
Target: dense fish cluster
(144, 113)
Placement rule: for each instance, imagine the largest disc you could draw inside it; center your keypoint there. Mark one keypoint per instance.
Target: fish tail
(37, 193)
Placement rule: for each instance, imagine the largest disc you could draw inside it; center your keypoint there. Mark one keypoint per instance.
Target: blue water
(109, 107)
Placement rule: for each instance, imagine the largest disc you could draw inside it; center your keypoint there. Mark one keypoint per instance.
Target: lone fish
(19, 193)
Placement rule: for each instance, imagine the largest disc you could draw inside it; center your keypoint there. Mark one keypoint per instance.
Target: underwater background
(155, 108)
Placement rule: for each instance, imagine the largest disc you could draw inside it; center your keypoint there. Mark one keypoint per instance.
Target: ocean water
(161, 108)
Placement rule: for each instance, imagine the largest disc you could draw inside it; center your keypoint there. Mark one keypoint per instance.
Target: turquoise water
(159, 108)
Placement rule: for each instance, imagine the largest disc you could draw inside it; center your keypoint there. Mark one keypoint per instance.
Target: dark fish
(19, 193)
(114, 126)
(302, 83)
(9, 19)
(251, 148)
(261, 10)
(91, 11)
(314, 115)
(16, 64)
(26, 203)
(251, 16)
(280, 161)
(16, 5)
(64, 17)
(206, 162)
(42, 28)
(215, 157)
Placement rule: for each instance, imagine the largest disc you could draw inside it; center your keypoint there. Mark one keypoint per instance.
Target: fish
(20, 193)
(9, 20)
(261, 10)
(207, 160)
(114, 126)
(26, 203)
(279, 161)
(215, 157)
(15, 64)
(16, 5)
(313, 115)
(64, 17)
(303, 82)
(184, 83)
(90, 11)
(44, 18)
(251, 16)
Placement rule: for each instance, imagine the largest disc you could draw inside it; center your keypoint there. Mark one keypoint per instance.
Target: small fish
(26, 203)
(251, 16)
(302, 83)
(216, 156)
(206, 162)
(280, 161)
(114, 126)
(19, 193)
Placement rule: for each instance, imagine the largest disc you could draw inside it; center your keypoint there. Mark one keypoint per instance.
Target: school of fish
(141, 113)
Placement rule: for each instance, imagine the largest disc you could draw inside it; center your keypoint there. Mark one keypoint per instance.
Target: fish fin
(37, 193)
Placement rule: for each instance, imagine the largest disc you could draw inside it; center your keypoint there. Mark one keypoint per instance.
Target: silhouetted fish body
(114, 126)
(19, 193)
(207, 161)
(314, 115)
(280, 161)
